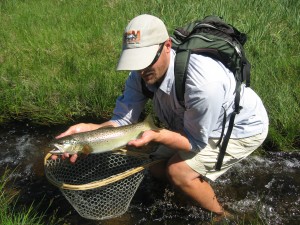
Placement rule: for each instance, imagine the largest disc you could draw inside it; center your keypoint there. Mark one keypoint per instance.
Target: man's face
(156, 71)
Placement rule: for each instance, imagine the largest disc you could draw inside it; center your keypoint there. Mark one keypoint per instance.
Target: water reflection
(261, 190)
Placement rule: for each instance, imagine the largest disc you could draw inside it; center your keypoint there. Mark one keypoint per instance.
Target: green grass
(58, 57)
(11, 214)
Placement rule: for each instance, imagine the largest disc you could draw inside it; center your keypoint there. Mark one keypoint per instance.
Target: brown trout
(101, 140)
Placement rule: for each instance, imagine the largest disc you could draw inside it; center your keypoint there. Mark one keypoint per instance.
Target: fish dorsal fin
(150, 122)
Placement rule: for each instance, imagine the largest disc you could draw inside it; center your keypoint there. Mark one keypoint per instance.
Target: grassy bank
(11, 213)
(58, 57)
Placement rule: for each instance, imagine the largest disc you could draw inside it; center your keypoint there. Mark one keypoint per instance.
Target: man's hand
(65, 156)
(78, 128)
(146, 138)
(171, 139)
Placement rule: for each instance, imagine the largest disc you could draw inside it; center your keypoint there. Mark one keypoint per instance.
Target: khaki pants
(204, 162)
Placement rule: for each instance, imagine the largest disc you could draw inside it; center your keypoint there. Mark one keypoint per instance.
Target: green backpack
(214, 38)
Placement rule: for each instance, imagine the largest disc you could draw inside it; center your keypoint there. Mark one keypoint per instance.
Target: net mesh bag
(98, 186)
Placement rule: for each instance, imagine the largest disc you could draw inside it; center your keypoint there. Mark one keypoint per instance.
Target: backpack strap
(223, 127)
(180, 70)
(230, 126)
(246, 66)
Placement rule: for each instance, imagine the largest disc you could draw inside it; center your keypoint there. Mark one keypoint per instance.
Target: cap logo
(132, 37)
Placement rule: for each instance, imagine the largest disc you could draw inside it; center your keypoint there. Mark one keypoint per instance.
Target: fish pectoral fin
(119, 148)
(86, 149)
(140, 135)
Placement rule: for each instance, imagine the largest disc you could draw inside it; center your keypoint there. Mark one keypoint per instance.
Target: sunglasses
(157, 54)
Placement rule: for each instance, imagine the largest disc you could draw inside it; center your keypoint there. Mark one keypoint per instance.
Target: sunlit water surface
(260, 190)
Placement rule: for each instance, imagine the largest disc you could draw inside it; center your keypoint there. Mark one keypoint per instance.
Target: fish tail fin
(150, 122)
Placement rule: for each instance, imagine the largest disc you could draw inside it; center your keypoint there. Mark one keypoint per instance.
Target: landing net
(99, 186)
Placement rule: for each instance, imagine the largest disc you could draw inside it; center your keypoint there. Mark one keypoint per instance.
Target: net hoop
(103, 182)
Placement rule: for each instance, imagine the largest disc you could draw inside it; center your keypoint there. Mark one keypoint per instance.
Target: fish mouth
(57, 150)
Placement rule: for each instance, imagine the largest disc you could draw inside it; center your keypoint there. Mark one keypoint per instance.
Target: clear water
(259, 190)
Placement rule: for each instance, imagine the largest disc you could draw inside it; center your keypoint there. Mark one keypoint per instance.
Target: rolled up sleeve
(130, 105)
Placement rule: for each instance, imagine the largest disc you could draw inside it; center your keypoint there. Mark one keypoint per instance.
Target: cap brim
(137, 58)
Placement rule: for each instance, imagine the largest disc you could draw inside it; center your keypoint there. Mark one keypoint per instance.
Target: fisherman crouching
(189, 143)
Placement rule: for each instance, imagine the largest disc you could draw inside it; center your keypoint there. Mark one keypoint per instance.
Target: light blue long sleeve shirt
(209, 90)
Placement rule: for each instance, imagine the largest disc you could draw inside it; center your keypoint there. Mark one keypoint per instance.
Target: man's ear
(168, 44)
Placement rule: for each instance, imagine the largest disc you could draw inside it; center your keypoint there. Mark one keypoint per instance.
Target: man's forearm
(173, 140)
(166, 137)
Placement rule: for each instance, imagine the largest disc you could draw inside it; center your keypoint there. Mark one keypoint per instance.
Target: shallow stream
(260, 190)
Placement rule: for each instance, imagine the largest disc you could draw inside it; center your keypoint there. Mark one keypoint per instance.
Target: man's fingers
(54, 157)
(137, 143)
(66, 133)
(64, 156)
(73, 158)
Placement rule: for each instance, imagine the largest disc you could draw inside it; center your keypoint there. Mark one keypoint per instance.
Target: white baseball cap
(141, 42)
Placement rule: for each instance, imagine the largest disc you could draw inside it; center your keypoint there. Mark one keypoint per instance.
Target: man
(189, 142)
